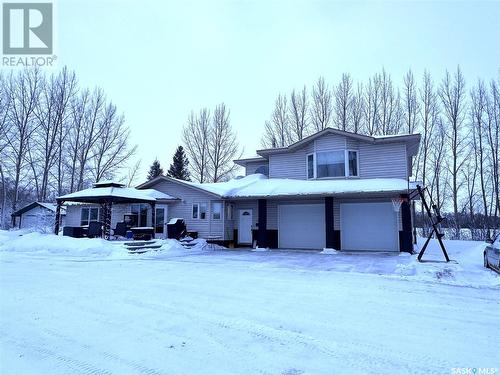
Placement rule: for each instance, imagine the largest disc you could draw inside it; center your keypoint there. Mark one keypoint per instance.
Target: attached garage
(301, 226)
(369, 227)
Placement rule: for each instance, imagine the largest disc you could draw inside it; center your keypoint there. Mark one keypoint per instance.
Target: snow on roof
(48, 206)
(258, 185)
(117, 192)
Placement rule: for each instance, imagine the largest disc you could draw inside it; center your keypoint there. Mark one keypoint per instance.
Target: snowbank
(465, 269)
(21, 241)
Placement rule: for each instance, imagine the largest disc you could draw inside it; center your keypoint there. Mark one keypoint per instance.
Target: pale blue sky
(158, 60)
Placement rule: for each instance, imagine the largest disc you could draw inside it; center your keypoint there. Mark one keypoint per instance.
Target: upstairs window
(310, 166)
(353, 163)
(330, 164)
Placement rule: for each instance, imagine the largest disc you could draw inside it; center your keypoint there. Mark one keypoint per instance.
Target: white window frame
(89, 208)
(347, 163)
(220, 211)
(197, 216)
(314, 166)
(198, 211)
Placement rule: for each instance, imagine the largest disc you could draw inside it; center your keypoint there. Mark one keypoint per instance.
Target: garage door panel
(302, 226)
(369, 226)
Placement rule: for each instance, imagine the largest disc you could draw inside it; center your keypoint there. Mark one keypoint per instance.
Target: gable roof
(46, 205)
(412, 140)
(115, 194)
(189, 184)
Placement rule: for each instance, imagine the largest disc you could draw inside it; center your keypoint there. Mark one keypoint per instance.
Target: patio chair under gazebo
(108, 193)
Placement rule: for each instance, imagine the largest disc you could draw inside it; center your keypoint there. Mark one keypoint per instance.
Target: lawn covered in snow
(81, 306)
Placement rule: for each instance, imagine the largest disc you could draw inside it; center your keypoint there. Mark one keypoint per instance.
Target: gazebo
(107, 193)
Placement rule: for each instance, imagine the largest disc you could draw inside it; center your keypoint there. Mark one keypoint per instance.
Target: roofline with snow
(31, 206)
(365, 138)
(244, 161)
(155, 180)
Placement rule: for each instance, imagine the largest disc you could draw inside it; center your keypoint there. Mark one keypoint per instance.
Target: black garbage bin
(176, 228)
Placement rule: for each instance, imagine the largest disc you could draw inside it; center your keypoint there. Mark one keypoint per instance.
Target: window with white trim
(353, 163)
(88, 215)
(331, 164)
(310, 166)
(199, 211)
(216, 210)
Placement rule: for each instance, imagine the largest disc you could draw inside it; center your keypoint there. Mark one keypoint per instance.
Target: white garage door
(301, 226)
(369, 226)
(32, 221)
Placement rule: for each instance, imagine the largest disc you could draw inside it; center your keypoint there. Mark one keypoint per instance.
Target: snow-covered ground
(79, 306)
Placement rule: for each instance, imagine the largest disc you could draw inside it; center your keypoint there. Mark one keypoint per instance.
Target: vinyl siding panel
(290, 165)
(330, 142)
(382, 161)
(183, 208)
(375, 160)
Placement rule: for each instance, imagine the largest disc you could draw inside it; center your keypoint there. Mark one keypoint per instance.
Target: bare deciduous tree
(222, 146)
(411, 103)
(277, 130)
(24, 93)
(322, 106)
(343, 95)
(299, 122)
(195, 138)
(452, 94)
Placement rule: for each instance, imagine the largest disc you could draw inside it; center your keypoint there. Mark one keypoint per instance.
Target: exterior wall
(273, 216)
(184, 208)
(290, 165)
(383, 160)
(375, 160)
(36, 218)
(251, 167)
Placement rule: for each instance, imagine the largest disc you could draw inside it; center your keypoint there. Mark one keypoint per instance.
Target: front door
(245, 227)
(160, 218)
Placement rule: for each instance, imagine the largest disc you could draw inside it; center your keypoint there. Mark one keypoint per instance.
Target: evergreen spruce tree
(155, 170)
(179, 168)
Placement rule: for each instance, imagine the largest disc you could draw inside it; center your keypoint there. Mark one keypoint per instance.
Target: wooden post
(58, 217)
(262, 229)
(153, 217)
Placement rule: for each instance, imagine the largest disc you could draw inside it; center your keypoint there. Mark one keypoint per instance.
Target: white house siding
(330, 142)
(382, 160)
(251, 167)
(183, 208)
(74, 212)
(386, 160)
(291, 164)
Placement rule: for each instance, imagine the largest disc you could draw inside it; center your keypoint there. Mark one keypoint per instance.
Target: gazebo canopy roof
(110, 192)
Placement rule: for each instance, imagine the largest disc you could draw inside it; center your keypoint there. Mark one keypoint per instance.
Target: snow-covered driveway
(237, 313)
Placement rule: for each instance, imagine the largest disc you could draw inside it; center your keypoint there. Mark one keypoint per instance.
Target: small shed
(37, 215)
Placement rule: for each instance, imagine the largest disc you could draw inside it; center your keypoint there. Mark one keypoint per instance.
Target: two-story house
(333, 189)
